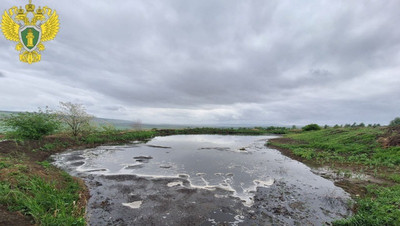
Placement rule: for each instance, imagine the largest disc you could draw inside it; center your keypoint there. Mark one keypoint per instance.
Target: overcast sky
(215, 61)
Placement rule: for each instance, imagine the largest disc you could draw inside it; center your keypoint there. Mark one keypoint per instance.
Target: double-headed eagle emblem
(30, 28)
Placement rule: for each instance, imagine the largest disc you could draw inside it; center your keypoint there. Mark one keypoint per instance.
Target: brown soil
(13, 218)
(36, 150)
(391, 138)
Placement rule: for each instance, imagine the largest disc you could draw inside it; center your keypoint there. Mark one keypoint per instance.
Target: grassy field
(347, 145)
(356, 150)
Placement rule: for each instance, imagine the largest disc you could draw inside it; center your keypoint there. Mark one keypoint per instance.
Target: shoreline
(339, 173)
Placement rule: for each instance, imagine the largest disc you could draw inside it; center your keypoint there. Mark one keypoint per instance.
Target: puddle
(237, 175)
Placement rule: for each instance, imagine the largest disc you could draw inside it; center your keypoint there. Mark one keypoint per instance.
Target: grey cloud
(228, 61)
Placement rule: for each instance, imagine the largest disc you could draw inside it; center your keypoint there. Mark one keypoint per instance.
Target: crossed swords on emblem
(30, 28)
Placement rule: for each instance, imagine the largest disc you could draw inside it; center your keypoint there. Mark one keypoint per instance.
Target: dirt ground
(13, 218)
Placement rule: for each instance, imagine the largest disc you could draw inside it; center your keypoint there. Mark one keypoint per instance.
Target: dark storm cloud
(217, 61)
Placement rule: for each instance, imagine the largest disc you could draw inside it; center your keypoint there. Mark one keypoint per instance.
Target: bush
(311, 127)
(75, 117)
(395, 122)
(31, 125)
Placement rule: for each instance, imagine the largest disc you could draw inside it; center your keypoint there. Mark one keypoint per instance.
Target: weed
(380, 207)
(43, 201)
(4, 165)
(394, 177)
(48, 147)
(307, 153)
(45, 164)
(22, 168)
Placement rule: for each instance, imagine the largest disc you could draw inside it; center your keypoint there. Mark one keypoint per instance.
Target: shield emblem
(30, 37)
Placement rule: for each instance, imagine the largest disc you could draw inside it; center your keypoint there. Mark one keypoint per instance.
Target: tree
(74, 116)
(395, 122)
(311, 127)
(31, 125)
(137, 125)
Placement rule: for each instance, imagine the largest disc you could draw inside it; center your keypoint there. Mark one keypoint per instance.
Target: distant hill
(126, 124)
(5, 113)
(119, 124)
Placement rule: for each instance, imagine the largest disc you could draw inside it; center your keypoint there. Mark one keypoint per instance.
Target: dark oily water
(202, 180)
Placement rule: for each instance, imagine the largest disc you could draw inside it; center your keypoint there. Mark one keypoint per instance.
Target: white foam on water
(220, 196)
(260, 183)
(133, 205)
(239, 219)
(175, 183)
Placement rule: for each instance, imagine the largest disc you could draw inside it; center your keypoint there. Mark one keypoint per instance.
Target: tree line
(34, 125)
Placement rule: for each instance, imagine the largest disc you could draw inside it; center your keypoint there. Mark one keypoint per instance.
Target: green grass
(306, 153)
(352, 145)
(45, 164)
(381, 206)
(394, 177)
(43, 200)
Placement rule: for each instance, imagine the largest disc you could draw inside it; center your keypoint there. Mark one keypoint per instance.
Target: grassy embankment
(373, 151)
(33, 187)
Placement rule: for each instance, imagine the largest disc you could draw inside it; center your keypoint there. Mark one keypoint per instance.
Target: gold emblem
(30, 28)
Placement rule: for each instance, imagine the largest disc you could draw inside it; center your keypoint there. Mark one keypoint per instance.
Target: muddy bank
(343, 175)
(25, 157)
(202, 180)
(132, 200)
(13, 218)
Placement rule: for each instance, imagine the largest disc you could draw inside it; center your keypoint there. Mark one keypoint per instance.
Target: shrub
(31, 125)
(75, 117)
(311, 127)
(307, 153)
(395, 122)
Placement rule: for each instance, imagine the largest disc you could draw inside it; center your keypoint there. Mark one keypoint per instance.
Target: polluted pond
(202, 180)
